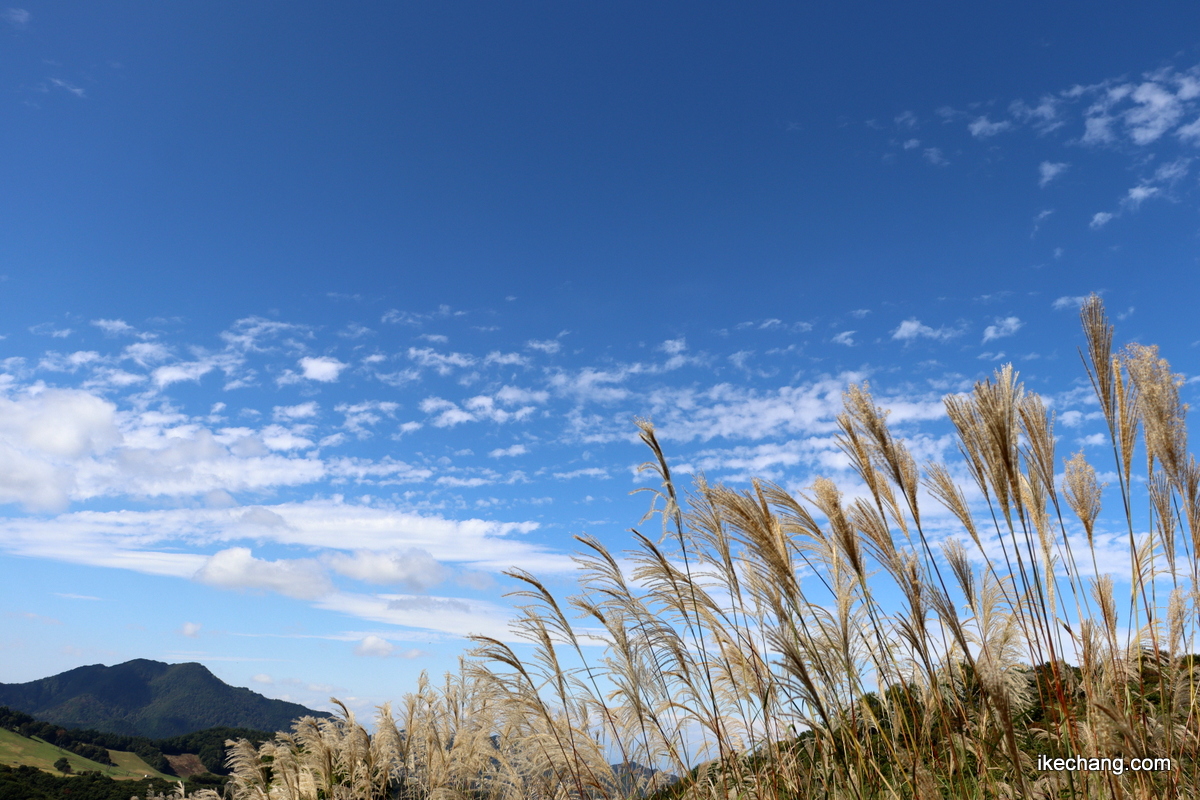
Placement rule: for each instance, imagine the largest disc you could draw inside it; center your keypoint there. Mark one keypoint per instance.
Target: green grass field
(16, 750)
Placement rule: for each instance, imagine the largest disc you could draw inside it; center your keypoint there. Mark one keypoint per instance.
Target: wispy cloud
(1041, 217)
(1068, 302)
(397, 317)
(67, 86)
(548, 346)
(1049, 170)
(1003, 327)
(1138, 195)
(983, 128)
(49, 329)
(442, 363)
(1044, 117)
(17, 17)
(913, 329)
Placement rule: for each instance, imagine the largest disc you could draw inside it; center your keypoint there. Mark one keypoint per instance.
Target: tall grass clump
(924, 630)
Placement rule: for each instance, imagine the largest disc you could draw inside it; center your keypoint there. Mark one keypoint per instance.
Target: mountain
(148, 698)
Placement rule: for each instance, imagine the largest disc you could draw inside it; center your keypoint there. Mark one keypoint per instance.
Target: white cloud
(353, 330)
(769, 460)
(146, 353)
(289, 413)
(448, 413)
(374, 646)
(1097, 129)
(1044, 116)
(447, 615)
(59, 362)
(1100, 219)
(845, 337)
(17, 17)
(184, 371)
(384, 472)
(1156, 112)
(594, 385)
(1144, 112)
(1190, 132)
(323, 369)
(548, 346)
(1003, 327)
(912, 329)
(42, 434)
(360, 416)
(107, 377)
(485, 407)
(174, 373)
(67, 86)
(257, 515)
(505, 359)
(1068, 302)
(1048, 171)
(237, 568)
(1042, 216)
(378, 544)
(397, 317)
(934, 156)
(735, 412)
(258, 335)
(277, 437)
(48, 329)
(1172, 171)
(442, 363)
(586, 472)
(515, 450)
(912, 144)
(191, 629)
(674, 347)
(115, 327)
(414, 569)
(1138, 194)
(983, 128)
(513, 396)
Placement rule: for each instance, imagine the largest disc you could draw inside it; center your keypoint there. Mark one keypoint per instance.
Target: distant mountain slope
(148, 698)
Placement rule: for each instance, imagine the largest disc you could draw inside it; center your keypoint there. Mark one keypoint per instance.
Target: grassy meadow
(16, 749)
(926, 630)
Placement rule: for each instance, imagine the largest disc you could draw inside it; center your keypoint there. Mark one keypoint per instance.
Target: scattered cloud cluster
(1153, 119)
(352, 496)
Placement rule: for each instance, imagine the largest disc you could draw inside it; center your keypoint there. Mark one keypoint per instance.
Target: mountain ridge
(149, 698)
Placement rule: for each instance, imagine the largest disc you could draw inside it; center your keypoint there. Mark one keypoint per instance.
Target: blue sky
(316, 319)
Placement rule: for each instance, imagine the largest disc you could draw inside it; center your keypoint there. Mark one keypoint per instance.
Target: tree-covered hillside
(150, 699)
